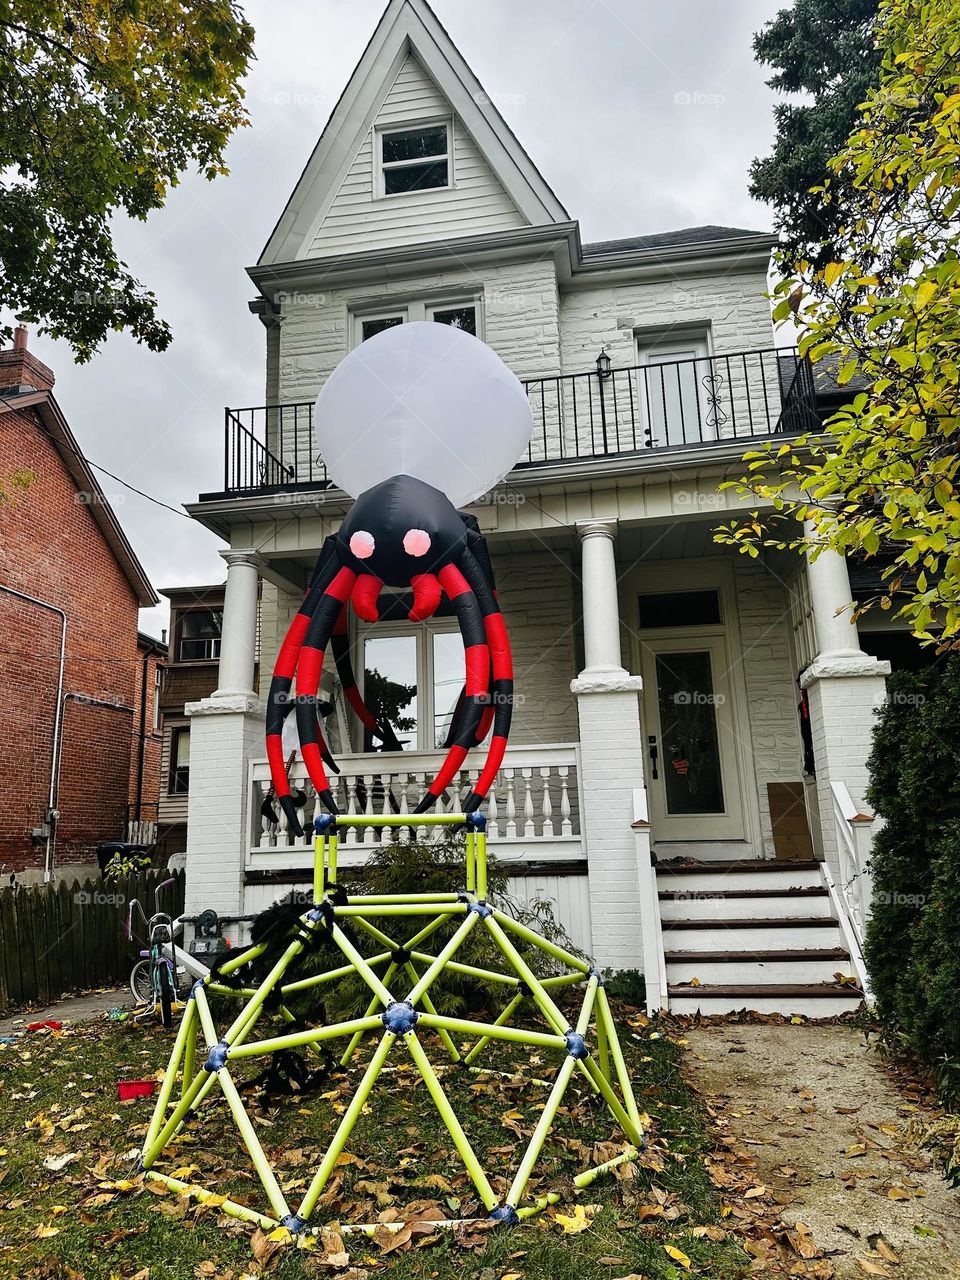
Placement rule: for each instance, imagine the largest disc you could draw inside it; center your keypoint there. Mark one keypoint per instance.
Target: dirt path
(808, 1115)
(70, 1009)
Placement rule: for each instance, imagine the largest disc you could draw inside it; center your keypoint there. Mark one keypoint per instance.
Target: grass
(58, 1100)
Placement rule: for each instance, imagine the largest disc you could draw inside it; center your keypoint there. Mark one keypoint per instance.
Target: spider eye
(362, 544)
(416, 542)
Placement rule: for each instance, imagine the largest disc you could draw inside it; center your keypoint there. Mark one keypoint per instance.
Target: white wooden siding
(171, 808)
(357, 219)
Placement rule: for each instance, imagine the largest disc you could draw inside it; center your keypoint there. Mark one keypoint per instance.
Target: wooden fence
(70, 937)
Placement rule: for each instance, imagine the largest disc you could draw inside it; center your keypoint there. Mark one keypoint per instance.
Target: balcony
(684, 404)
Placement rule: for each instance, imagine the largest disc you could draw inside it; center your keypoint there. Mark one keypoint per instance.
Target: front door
(692, 777)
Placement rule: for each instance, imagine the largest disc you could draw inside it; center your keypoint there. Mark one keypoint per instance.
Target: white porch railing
(849, 879)
(143, 832)
(533, 810)
(654, 963)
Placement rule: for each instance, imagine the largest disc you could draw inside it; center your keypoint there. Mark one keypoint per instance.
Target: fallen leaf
(56, 1163)
(573, 1224)
(677, 1255)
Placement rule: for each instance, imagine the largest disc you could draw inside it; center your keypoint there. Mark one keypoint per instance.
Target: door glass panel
(390, 685)
(447, 682)
(673, 397)
(688, 733)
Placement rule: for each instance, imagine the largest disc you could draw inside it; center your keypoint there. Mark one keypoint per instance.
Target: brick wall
(52, 548)
(153, 739)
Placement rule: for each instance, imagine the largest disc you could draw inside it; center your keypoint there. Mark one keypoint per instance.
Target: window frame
(412, 310)
(423, 633)
(381, 165)
(157, 692)
(177, 735)
(178, 648)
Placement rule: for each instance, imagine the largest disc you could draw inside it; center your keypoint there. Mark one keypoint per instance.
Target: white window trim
(424, 633)
(379, 186)
(415, 309)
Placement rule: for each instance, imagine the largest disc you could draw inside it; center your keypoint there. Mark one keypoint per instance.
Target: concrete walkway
(70, 1009)
(809, 1115)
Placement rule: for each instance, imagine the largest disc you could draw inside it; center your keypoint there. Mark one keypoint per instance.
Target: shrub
(913, 939)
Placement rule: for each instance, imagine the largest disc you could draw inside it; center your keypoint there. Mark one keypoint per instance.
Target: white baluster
(369, 834)
(511, 806)
(350, 782)
(283, 829)
(267, 837)
(528, 826)
(566, 827)
(546, 804)
(402, 834)
(493, 827)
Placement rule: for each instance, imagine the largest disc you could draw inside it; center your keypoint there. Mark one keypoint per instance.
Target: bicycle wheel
(140, 982)
(166, 994)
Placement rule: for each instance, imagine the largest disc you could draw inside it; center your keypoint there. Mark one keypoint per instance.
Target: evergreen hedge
(913, 939)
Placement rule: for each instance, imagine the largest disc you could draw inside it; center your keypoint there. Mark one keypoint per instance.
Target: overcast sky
(643, 116)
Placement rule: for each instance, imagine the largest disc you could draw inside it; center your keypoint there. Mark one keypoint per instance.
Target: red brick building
(70, 591)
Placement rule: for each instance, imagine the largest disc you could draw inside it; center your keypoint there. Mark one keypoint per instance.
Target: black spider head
(401, 528)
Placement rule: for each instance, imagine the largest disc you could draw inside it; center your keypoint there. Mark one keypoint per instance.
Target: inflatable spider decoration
(416, 422)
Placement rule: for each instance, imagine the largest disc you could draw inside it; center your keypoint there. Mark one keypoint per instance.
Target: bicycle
(153, 978)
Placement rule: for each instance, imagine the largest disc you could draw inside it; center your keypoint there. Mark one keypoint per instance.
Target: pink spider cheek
(416, 542)
(362, 544)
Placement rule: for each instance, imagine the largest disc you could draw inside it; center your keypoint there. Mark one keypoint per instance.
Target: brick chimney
(18, 368)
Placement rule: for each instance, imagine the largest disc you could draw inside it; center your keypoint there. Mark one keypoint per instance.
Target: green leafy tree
(103, 105)
(825, 51)
(883, 317)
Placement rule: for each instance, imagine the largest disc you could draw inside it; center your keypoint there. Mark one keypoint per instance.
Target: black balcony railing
(673, 405)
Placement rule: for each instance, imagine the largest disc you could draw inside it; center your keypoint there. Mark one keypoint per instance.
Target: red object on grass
(127, 1089)
(39, 1026)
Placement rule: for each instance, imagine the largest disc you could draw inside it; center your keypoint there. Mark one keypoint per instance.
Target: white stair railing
(654, 964)
(849, 878)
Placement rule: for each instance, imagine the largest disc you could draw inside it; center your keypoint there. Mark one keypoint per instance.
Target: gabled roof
(406, 26)
(668, 239)
(55, 425)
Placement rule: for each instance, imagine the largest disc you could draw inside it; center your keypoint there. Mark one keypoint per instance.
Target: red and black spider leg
(340, 645)
(477, 543)
(309, 669)
(477, 658)
(501, 686)
(278, 701)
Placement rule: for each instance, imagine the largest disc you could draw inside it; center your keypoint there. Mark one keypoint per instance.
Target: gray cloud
(643, 117)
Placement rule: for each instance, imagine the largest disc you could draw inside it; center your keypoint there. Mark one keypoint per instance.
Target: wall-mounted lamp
(603, 365)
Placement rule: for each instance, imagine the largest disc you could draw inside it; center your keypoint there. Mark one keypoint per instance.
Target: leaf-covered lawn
(71, 1204)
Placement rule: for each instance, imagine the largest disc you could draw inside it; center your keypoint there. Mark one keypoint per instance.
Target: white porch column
(611, 758)
(844, 686)
(226, 732)
(239, 637)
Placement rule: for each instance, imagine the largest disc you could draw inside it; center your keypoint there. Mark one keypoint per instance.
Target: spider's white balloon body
(424, 400)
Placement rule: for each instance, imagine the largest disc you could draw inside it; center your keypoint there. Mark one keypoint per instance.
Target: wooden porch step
(802, 991)
(736, 864)
(746, 957)
(778, 922)
(684, 894)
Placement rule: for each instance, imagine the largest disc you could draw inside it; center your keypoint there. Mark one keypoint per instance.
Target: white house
(658, 674)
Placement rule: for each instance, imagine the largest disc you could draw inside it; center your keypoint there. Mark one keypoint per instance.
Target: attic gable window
(416, 158)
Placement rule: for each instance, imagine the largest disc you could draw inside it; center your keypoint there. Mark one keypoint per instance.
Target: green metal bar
(436, 968)
(471, 862)
(249, 1135)
(563, 980)
(386, 899)
(187, 1024)
(538, 1206)
(552, 1105)
(428, 1004)
(633, 1131)
(150, 1153)
(381, 937)
(402, 820)
(361, 966)
(488, 975)
(371, 1008)
(539, 1136)
(189, 1053)
(425, 933)
(231, 966)
(605, 1020)
(221, 989)
(541, 997)
(603, 1048)
(269, 982)
(410, 909)
(319, 867)
(558, 953)
(481, 851)
(505, 1016)
(449, 1118)
(344, 1129)
(514, 1034)
(206, 1021)
(313, 1035)
(591, 1175)
(332, 859)
(318, 979)
(229, 1207)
